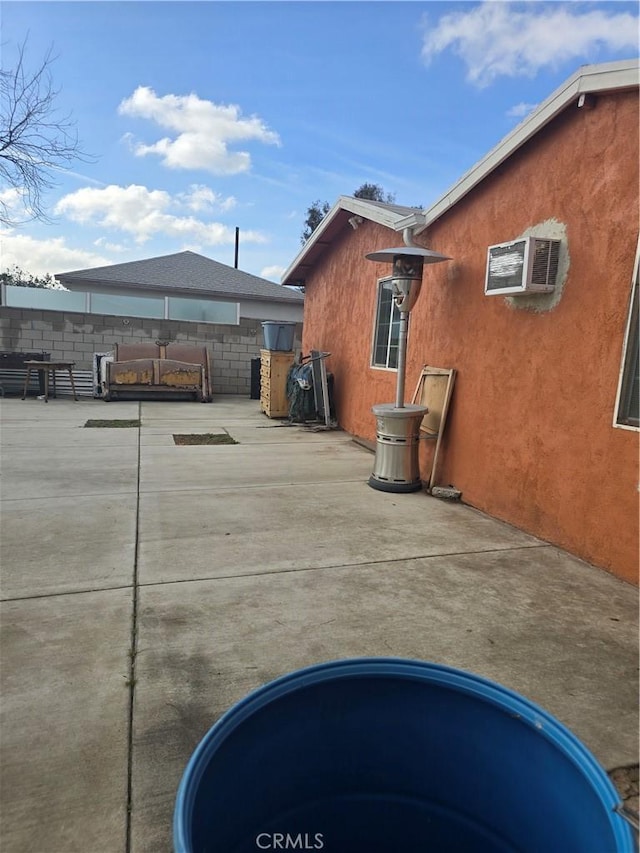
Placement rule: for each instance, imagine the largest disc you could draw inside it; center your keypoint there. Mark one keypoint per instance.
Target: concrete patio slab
(225, 408)
(169, 422)
(169, 469)
(238, 564)
(170, 427)
(68, 436)
(14, 409)
(37, 472)
(69, 544)
(257, 434)
(532, 619)
(253, 530)
(269, 434)
(64, 718)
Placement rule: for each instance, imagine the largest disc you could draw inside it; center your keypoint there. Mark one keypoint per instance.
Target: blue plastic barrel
(386, 755)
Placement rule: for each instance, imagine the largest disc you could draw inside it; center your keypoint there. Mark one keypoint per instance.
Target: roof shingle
(186, 272)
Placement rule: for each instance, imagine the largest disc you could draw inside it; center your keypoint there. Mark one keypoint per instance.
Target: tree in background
(374, 192)
(315, 214)
(35, 139)
(319, 209)
(15, 276)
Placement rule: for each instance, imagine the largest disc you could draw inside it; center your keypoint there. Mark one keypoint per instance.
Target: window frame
(376, 323)
(183, 299)
(622, 420)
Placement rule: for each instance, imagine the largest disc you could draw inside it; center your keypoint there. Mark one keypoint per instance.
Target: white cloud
(12, 197)
(521, 110)
(14, 204)
(499, 39)
(84, 178)
(274, 272)
(111, 247)
(202, 131)
(144, 213)
(40, 257)
(199, 198)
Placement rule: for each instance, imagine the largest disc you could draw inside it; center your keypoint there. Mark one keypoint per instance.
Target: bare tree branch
(35, 139)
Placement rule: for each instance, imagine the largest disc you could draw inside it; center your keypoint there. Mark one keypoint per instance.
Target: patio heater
(398, 425)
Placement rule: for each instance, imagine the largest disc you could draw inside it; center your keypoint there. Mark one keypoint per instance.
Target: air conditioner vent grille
(545, 262)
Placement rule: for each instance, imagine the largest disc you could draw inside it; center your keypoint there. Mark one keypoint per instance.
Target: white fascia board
(609, 76)
(315, 237)
(371, 211)
(604, 77)
(414, 220)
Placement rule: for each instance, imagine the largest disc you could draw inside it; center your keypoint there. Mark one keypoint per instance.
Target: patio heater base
(397, 434)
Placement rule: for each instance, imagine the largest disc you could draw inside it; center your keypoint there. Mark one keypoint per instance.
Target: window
(40, 297)
(203, 310)
(122, 305)
(628, 408)
(127, 306)
(387, 329)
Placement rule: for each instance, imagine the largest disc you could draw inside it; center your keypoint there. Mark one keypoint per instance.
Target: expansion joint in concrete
(133, 649)
(362, 564)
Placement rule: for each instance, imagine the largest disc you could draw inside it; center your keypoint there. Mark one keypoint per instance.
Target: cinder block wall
(76, 337)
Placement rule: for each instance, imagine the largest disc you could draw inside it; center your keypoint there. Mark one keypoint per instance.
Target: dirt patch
(205, 438)
(626, 781)
(112, 424)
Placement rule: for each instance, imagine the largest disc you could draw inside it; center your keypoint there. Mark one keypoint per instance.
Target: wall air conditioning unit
(528, 265)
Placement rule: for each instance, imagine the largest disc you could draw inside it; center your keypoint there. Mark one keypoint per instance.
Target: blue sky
(203, 116)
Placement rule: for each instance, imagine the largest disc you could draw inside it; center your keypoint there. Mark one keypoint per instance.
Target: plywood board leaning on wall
(434, 390)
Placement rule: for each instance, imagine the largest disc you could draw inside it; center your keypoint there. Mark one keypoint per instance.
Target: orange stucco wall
(530, 437)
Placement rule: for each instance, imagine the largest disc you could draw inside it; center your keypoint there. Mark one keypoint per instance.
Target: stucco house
(183, 297)
(543, 426)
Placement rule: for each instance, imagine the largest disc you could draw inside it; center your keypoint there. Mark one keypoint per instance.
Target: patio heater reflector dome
(406, 272)
(428, 256)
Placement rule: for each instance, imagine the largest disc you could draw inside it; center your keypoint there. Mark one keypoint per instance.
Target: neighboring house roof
(588, 80)
(183, 272)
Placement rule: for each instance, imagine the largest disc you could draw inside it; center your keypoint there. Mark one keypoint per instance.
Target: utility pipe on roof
(407, 236)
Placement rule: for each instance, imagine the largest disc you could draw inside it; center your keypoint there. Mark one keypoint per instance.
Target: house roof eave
(378, 212)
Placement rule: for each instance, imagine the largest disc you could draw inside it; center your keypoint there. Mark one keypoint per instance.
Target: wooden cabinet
(274, 367)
